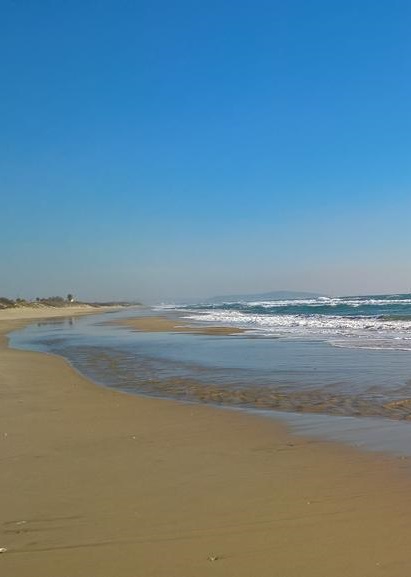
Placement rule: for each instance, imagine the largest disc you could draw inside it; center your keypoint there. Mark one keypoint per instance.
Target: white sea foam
(354, 302)
(317, 322)
(374, 321)
(328, 301)
(364, 332)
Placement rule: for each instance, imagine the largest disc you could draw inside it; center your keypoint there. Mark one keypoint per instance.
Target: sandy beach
(95, 482)
(160, 324)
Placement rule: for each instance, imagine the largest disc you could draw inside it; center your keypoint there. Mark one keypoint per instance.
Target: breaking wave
(375, 321)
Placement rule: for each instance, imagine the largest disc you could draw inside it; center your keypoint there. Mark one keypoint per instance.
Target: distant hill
(269, 296)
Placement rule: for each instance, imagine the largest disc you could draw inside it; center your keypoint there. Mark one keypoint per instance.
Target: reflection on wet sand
(64, 321)
(153, 379)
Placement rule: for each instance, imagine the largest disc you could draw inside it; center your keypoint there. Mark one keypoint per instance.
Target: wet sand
(160, 324)
(98, 483)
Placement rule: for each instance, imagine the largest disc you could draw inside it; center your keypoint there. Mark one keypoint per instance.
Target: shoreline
(276, 398)
(99, 482)
(163, 324)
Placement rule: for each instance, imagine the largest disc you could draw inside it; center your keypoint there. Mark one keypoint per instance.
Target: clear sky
(160, 148)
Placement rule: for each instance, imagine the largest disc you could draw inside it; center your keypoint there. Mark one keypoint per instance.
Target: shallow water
(283, 374)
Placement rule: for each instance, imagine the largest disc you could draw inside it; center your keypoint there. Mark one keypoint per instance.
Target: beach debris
(21, 522)
(213, 558)
(3, 549)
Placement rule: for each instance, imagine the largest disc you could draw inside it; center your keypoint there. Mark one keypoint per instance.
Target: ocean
(328, 365)
(371, 321)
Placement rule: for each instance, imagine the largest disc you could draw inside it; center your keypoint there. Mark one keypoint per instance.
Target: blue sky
(152, 149)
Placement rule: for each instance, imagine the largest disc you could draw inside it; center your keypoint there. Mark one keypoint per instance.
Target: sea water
(372, 322)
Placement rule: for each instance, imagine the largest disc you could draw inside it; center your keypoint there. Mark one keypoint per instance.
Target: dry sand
(95, 483)
(45, 312)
